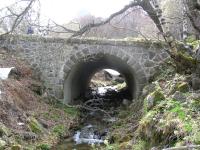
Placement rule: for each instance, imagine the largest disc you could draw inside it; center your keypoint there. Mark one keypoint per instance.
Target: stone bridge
(67, 65)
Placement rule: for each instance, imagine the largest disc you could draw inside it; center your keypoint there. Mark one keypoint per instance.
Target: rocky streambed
(99, 109)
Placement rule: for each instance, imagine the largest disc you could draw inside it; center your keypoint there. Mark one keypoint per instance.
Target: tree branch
(19, 17)
(122, 28)
(92, 25)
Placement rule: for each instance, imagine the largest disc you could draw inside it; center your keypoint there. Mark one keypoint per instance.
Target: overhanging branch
(92, 25)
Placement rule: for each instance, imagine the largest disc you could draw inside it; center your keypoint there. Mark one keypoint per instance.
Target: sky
(63, 11)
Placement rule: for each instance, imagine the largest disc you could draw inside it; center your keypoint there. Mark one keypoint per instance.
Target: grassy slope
(169, 122)
(21, 102)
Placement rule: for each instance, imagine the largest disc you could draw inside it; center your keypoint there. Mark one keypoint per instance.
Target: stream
(102, 106)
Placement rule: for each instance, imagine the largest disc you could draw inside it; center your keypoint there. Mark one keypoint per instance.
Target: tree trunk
(193, 13)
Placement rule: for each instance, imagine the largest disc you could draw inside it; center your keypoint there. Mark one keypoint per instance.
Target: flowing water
(93, 132)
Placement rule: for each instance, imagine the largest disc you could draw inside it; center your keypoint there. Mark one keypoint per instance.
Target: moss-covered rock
(34, 125)
(182, 87)
(16, 147)
(2, 144)
(185, 63)
(153, 98)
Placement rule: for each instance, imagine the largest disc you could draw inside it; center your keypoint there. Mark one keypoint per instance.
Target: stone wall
(55, 57)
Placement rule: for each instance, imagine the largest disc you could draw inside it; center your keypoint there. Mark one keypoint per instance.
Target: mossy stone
(16, 147)
(2, 144)
(34, 125)
(158, 95)
(183, 87)
(153, 98)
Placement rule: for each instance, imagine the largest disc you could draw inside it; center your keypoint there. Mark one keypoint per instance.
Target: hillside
(170, 116)
(26, 119)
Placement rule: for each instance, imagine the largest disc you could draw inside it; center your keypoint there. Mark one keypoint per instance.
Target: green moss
(194, 134)
(55, 116)
(140, 145)
(121, 85)
(153, 98)
(195, 104)
(185, 62)
(59, 130)
(190, 39)
(178, 109)
(188, 126)
(16, 147)
(34, 125)
(44, 147)
(148, 118)
(109, 146)
(71, 111)
(158, 96)
(187, 58)
(196, 138)
(195, 44)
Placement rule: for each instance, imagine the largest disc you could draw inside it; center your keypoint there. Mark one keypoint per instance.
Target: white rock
(103, 90)
(4, 72)
(112, 72)
(79, 140)
(20, 123)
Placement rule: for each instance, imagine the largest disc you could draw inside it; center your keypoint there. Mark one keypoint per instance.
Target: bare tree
(132, 23)
(151, 7)
(19, 13)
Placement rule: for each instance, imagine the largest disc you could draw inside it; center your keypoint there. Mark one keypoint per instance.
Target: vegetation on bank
(30, 120)
(170, 116)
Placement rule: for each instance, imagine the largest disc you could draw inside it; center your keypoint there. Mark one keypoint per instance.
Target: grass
(59, 129)
(44, 147)
(71, 111)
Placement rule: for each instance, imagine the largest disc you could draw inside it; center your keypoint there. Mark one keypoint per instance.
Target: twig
(138, 32)
(19, 17)
(95, 109)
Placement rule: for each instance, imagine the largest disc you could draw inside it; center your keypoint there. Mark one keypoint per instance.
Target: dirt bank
(28, 118)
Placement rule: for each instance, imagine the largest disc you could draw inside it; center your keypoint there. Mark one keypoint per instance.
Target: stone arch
(84, 63)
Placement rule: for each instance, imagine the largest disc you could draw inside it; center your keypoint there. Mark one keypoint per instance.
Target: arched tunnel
(77, 79)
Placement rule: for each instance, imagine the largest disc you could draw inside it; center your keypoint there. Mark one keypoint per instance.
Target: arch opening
(78, 79)
(107, 80)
